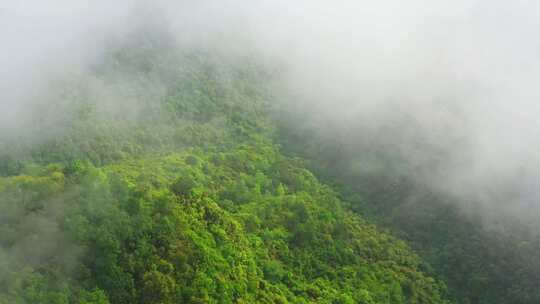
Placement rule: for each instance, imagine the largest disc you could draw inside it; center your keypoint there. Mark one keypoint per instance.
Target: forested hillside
(269, 152)
(155, 177)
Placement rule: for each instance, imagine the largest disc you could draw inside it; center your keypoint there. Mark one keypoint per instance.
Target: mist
(464, 71)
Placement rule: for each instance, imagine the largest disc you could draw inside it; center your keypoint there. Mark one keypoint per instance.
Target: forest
(173, 174)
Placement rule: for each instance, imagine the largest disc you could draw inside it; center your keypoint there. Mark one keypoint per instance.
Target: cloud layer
(465, 71)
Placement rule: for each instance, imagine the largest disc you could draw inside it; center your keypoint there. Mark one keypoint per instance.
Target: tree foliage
(156, 180)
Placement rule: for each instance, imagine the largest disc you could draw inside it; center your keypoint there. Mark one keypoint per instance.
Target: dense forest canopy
(174, 169)
(166, 187)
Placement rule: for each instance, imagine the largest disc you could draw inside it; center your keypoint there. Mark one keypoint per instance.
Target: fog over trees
(269, 151)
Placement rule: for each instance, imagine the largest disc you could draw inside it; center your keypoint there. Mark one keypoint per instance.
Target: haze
(466, 71)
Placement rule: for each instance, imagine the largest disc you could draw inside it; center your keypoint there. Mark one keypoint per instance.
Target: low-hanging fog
(465, 72)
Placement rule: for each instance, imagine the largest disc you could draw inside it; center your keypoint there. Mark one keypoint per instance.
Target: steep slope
(242, 226)
(154, 179)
